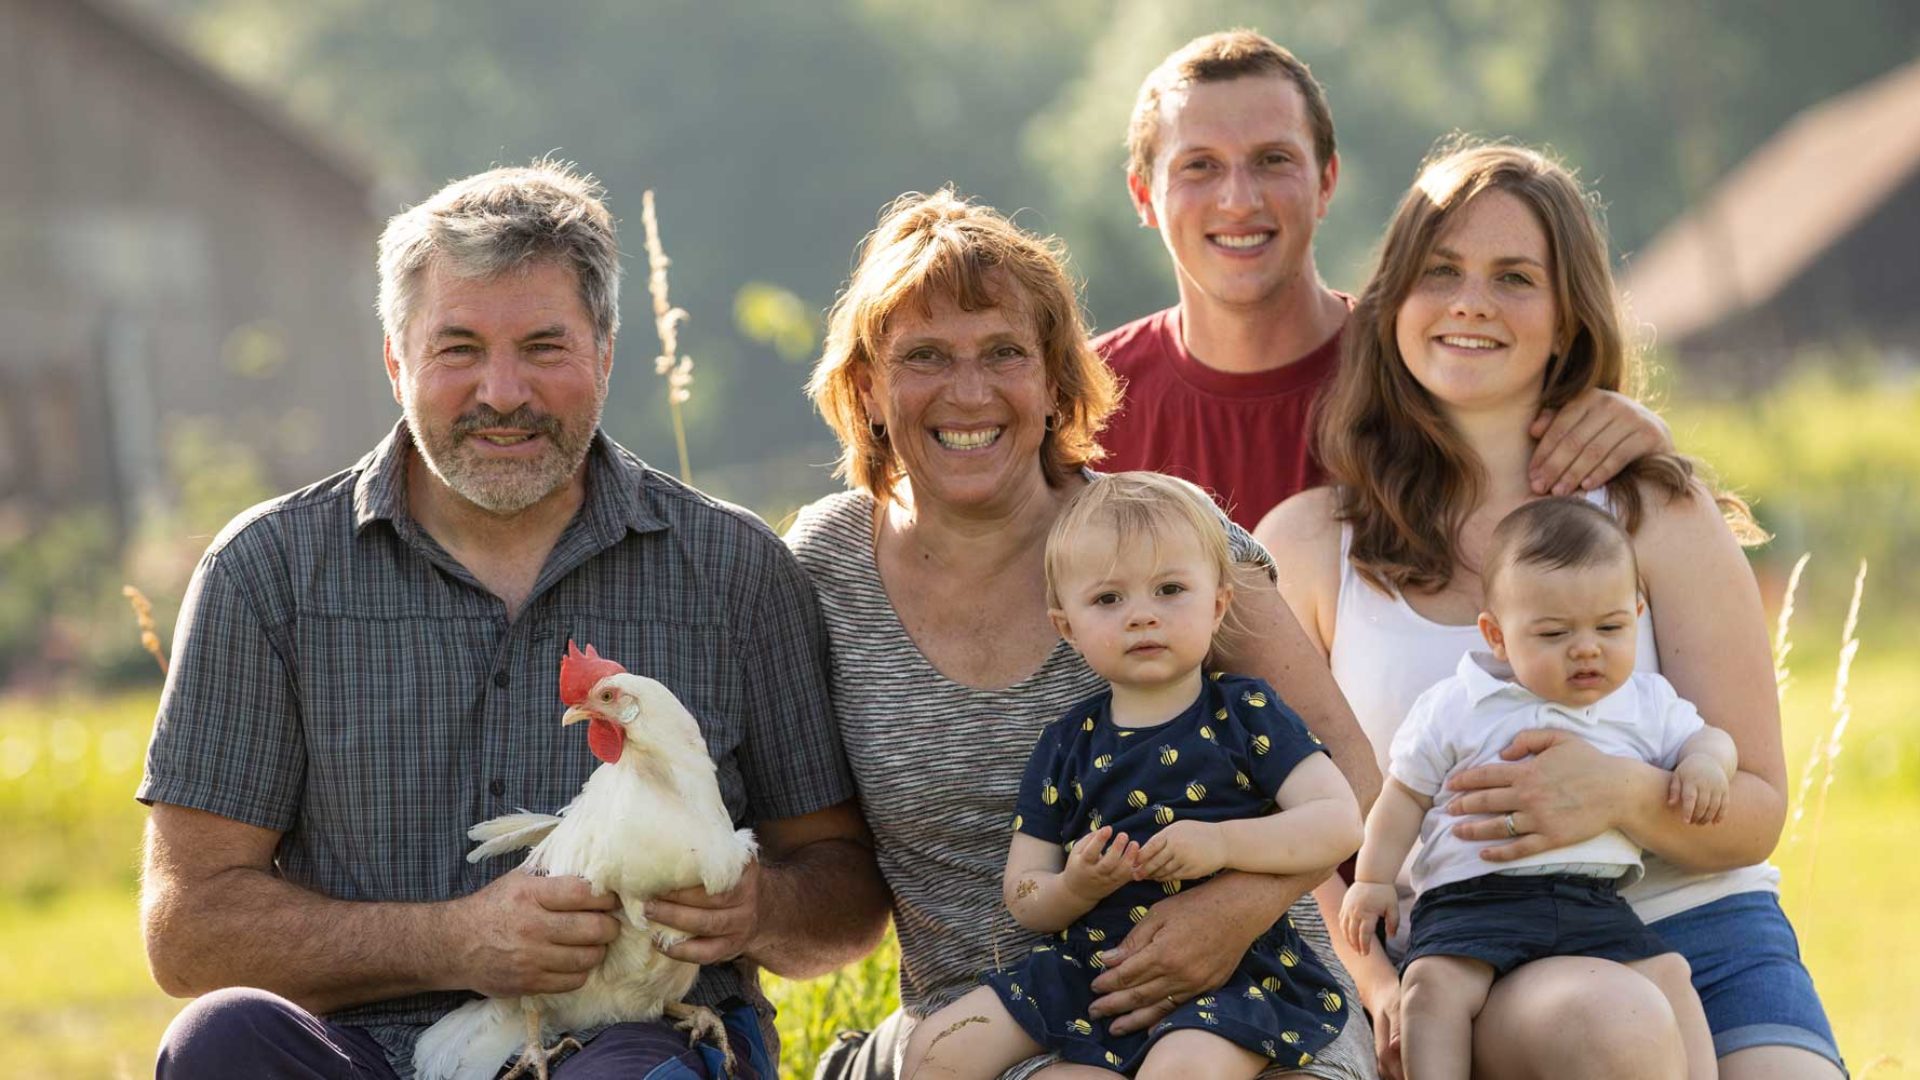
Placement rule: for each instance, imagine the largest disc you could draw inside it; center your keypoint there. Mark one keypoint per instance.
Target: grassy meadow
(76, 1000)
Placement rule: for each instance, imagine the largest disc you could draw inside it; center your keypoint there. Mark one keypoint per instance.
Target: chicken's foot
(700, 1022)
(536, 1055)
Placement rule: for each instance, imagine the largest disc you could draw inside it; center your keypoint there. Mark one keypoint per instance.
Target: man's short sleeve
(790, 758)
(1419, 756)
(227, 738)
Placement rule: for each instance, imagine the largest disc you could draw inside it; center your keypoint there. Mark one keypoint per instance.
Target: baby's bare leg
(1670, 972)
(1191, 1052)
(1439, 998)
(973, 1037)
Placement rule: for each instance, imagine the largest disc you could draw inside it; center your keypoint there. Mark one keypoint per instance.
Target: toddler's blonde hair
(1144, 507)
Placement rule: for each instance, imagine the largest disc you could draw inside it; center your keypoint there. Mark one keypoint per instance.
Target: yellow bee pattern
(1200, 759)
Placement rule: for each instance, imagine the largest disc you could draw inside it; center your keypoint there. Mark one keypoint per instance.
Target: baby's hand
(1095, 868)
(1366, 903)
(1182, 851)
(1699, 789)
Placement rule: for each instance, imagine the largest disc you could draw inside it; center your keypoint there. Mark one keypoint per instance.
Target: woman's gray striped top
(937, 765)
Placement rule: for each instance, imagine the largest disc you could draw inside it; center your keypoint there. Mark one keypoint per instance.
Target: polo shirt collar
(1486, 676)
(614, 482)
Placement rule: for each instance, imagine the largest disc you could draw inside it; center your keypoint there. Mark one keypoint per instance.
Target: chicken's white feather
(650, 823)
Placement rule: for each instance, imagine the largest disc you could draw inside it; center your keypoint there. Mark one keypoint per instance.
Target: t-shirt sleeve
(791, 758)
(1045, 803)
(1679, 720)
(1277, 739)
(1249, 553)
(228, 737)
(1418, 756)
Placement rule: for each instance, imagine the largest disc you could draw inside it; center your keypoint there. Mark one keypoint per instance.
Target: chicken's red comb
(581, 671)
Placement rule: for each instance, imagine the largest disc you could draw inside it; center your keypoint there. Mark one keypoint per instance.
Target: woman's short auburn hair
(941, 245)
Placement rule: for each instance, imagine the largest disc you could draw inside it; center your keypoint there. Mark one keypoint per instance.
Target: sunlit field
(76, 1001)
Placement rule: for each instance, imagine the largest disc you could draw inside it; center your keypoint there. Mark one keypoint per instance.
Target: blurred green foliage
(1830, 459)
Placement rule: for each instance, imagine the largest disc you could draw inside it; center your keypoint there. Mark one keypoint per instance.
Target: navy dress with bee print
(1220, 760)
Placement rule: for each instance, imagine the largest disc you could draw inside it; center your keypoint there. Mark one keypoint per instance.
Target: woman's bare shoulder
(1302, 526)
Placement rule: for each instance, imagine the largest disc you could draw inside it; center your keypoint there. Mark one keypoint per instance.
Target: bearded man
(368, 666)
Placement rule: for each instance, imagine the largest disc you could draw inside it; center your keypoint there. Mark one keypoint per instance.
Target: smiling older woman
(959, 381)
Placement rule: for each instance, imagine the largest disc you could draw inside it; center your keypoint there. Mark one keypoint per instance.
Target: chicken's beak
(576, 714)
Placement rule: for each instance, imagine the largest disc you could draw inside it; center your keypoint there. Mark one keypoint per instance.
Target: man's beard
(503, 487)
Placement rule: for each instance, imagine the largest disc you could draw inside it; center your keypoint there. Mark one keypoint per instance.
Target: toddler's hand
(1182, 851)
(1366, 903)
(1699, 789)
(1095, 868)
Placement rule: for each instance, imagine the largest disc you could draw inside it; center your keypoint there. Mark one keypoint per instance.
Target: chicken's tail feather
(509, 832)
(472, 1041)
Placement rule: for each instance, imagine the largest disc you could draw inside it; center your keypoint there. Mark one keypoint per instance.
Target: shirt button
(498, 788)
(500, 678)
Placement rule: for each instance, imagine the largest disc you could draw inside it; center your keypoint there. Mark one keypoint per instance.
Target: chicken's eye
(606, 695)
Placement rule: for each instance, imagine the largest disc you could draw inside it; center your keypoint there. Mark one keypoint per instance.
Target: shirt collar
(614, 482)
(1486, 675)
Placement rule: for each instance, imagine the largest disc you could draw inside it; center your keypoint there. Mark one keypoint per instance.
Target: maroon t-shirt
(1243, 437)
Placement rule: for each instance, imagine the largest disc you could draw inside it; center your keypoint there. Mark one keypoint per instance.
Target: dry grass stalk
(666, 322)
(1782, 646)
(1782, 643)
(143, 615)
(1842, 712)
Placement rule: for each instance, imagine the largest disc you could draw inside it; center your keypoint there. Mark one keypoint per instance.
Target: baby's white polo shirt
(1468, 718)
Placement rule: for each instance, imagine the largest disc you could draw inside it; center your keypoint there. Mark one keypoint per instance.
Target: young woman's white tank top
(1385, 654)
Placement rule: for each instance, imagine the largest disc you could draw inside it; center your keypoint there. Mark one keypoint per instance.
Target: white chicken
(648, 821)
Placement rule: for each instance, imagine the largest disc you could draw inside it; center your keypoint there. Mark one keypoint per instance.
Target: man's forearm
(244, 927)
(823, 905)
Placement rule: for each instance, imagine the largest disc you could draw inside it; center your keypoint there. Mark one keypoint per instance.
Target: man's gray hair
(500, 220)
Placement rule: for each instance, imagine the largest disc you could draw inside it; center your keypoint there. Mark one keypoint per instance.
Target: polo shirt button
(500, 678)
(498, 788)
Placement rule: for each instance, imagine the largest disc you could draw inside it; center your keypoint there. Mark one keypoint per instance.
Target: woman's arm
(1713, 648)
(1290, 632)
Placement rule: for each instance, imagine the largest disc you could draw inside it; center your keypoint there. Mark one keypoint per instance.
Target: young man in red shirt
(1231, 157)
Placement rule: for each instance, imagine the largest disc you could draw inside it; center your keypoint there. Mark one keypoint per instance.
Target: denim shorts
(1747, 970)
(1506, 920)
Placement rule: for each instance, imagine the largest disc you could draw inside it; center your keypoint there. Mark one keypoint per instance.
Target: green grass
(76, 1001)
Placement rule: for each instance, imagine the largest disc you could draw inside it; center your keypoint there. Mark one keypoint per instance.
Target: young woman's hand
(1183, 851)
(1096, 867)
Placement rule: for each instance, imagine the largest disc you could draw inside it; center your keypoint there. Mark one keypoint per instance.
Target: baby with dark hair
(1562, 621)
